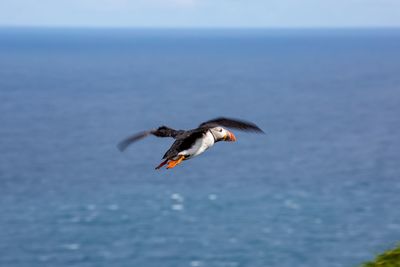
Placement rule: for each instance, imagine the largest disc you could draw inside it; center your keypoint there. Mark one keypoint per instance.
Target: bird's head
(221, 134)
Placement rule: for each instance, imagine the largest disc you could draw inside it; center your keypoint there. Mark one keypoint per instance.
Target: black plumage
(183, 142)
(231, 123)
(185, 139)
(162, 131)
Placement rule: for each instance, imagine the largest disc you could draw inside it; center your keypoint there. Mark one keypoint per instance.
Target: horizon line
(66, 27)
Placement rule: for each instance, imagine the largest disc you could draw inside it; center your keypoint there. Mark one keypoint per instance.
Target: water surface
(320, 189)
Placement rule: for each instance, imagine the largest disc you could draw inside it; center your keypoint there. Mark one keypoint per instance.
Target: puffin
(193, 142)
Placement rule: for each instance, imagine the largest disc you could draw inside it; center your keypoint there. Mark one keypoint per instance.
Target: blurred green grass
(389, 258)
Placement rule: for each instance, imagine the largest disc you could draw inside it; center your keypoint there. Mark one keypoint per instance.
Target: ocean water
(321, 188)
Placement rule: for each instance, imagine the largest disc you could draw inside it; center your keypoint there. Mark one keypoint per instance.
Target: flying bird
(191, 143)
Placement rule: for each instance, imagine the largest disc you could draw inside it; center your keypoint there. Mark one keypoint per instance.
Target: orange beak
(230, 137)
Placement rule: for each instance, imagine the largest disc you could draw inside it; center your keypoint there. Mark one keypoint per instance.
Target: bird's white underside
(201, 145)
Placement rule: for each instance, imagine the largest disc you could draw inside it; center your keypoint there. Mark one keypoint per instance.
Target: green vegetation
(390, 258)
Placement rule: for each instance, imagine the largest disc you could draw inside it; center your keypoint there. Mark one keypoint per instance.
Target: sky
(201, 13)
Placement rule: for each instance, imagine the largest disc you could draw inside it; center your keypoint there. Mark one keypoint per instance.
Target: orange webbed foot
(162, 164)
(173, 163)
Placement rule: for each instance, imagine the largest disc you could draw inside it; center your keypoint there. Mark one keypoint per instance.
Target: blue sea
(320, 189)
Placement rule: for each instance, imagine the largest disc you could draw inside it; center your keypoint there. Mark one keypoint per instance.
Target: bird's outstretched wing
(162, 131)
(232, 123)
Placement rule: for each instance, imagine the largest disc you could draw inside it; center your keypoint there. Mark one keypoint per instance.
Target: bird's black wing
(231, 123)
(183, 142)
(162, 131)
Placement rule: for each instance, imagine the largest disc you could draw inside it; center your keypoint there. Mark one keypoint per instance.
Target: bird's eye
(220, 130)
